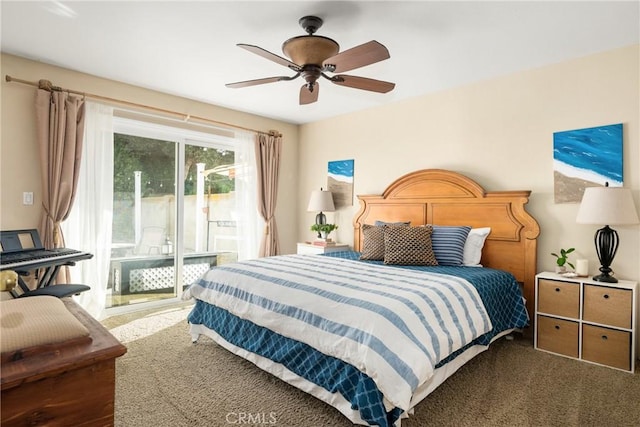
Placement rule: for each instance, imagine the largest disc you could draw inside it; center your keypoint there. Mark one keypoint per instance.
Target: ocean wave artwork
(341, 170)
(586, 158)
(340, 182)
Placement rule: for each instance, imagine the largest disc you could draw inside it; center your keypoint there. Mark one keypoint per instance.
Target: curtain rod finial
(47, 85)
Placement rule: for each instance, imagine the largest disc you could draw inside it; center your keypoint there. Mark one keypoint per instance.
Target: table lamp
(321, 200)
(610, 206)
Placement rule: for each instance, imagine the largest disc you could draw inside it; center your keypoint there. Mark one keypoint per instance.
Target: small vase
(561, 269)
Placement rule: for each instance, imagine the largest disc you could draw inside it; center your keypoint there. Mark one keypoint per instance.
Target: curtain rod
(46, 85)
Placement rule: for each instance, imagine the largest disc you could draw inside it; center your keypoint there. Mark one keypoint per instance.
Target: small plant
(562, 259)
(324, 229)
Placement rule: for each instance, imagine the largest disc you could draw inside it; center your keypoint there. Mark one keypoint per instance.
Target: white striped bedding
(393, 324)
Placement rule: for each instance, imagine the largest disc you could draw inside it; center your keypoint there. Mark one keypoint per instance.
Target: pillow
(448, 243)
(372, 243)
(473, 246)
(399, 223)
(408, 246)
(373, 240)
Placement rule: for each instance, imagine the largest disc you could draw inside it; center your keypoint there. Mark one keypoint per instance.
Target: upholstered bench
(29, 325)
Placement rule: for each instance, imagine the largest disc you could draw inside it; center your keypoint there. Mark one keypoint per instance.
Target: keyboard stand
(48, 276)
(47, 269)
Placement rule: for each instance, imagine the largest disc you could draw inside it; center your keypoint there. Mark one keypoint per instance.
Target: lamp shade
(321, 201)
(607, 206)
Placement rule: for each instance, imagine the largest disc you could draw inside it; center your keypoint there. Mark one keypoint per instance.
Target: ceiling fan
(313, 56)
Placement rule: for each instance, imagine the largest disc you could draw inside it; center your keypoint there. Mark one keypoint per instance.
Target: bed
(373, 331)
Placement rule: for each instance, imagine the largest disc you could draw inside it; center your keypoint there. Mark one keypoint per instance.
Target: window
(181, 200)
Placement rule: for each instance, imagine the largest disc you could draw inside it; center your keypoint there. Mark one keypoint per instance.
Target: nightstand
(587, 320)
(310, 248)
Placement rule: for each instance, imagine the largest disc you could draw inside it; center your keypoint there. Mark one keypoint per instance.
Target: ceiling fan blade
(270, 56)
(363, 83)
(307, 96)
(356, 57)
(257, 82)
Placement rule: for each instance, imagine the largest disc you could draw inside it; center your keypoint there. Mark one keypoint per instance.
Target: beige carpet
(165, 380)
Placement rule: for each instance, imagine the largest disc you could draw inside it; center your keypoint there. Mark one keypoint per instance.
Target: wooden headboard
(436, 196)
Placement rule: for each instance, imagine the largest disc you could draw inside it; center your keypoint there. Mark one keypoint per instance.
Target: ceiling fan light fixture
(305, 50)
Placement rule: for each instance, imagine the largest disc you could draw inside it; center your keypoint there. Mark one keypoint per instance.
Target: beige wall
(498, 132)
(19, 162)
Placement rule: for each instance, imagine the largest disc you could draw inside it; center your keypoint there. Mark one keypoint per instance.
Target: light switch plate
(27, 198)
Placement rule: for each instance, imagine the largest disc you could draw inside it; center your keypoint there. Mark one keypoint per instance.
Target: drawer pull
(557, 289)
(604, 338)
(606, 296)
(557, 327)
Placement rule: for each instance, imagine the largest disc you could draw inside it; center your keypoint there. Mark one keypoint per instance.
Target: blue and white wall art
(340, 182)
(586, 158)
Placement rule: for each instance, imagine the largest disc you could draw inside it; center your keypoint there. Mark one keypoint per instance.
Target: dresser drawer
(606, 346)
(558, 336)
(559, 298)
(608, 306)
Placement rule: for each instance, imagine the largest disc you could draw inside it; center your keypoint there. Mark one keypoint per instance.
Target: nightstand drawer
(608, 306)
(559, 298)
(606, 346)
(558, 336)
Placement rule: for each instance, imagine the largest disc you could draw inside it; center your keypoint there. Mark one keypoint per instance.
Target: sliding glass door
(177, 210)
(209, 235)
(144, 217)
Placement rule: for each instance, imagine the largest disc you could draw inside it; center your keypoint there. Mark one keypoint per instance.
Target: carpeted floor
(165, 380)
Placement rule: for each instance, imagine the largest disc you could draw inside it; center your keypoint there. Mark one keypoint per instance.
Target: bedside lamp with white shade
(610, 206)
(322, 201)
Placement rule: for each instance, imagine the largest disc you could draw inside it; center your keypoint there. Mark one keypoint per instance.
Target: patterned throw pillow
(408, 246)
(448, 243)
(373, 239)
(373, 243)
(379, 223)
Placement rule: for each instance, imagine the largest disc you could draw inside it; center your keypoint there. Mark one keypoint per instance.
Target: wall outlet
(27, 198)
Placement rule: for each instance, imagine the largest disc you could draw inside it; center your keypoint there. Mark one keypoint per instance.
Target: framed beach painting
(586, 158)
(340, 182)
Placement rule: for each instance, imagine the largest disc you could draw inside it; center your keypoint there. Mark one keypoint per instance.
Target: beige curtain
(268, 148)
(60, 129)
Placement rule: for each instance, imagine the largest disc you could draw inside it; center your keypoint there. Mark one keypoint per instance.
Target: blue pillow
(448, 243)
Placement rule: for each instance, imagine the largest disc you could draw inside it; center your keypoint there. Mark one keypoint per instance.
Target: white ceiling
(188, 48)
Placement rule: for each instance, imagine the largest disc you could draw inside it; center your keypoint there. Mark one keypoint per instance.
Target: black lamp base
(605, 278)
(321, 219)
(606, 240)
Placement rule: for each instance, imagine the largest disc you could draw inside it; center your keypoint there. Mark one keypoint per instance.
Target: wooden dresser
(66, 384)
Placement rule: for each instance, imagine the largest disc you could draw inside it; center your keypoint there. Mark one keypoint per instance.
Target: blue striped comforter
(392, 324)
